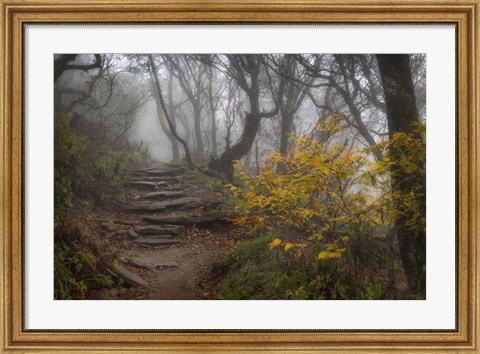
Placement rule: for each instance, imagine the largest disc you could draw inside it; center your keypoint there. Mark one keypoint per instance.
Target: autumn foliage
(330, 208)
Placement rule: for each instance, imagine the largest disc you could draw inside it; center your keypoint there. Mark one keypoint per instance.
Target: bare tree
(104, 104)
(215, 88)
(245, 70)
(166, 113)
(291, 77)
(62, 63)
(190, 74)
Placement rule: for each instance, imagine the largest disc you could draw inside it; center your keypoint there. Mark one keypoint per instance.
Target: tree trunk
(401, 114)
(185, 72)
(197, 116)
(173, 141)
(167, 115)
(163, 125)
(213, 121)
(285, 130)
(241, 65)
(224, 164)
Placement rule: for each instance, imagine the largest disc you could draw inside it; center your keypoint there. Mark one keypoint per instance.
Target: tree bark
(401, 114)
(185, 73)
(292, 98)
(163, 125)
(213, 118)
(167, 115)
(174, 142)
(224, 164)
(240, 67)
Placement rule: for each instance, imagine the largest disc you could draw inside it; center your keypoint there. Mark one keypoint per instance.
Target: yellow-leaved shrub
(330, 203)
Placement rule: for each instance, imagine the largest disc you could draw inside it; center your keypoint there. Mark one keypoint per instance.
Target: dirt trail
(168, 236)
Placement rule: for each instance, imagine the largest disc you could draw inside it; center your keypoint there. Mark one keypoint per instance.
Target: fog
(146, 131)
(250, 104)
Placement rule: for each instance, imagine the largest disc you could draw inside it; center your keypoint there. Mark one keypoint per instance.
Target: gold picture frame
(464, 14)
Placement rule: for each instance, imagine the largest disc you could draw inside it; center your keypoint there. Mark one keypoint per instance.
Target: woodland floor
(167, 237)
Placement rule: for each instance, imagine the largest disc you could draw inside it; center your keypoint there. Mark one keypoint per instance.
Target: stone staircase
(166, 202)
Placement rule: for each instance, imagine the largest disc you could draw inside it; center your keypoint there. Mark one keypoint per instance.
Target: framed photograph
(196, 176)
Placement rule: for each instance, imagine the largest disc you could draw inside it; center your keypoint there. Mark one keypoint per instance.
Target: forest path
(168, 236)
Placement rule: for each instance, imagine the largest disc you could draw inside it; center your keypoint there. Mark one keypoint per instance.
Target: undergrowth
(327, 215)
(88, 173)
(81, 264)
(256, 271)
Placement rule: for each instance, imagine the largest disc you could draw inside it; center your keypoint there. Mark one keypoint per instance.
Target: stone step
(128, 232)
(156, 179)
(173, 171)
(159, 229)
(180, 201)
(148, 263)
(159, 236)
(156, 242)
(144, 207)
(146, 185)
(130, 278)
(187, 202)
(191, 205)
(163, 195)
(184, 219)
(104, 222)
(144, 169)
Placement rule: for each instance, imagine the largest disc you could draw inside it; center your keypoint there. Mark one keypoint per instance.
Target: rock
(184, 219)
(156, 242)
(180, 202)
(160, 236)
(141, 207)
(127, 233)
(165, 171)
(160, 206)
(148, 263)
(129, 277)
(147, 185)
(159, 229)
(132, 233)
(192, 205)
(156, 179)
(162, 195)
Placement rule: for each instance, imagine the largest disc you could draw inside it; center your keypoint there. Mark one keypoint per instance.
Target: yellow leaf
(323, 255)
(274, 243)
(288, 245)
